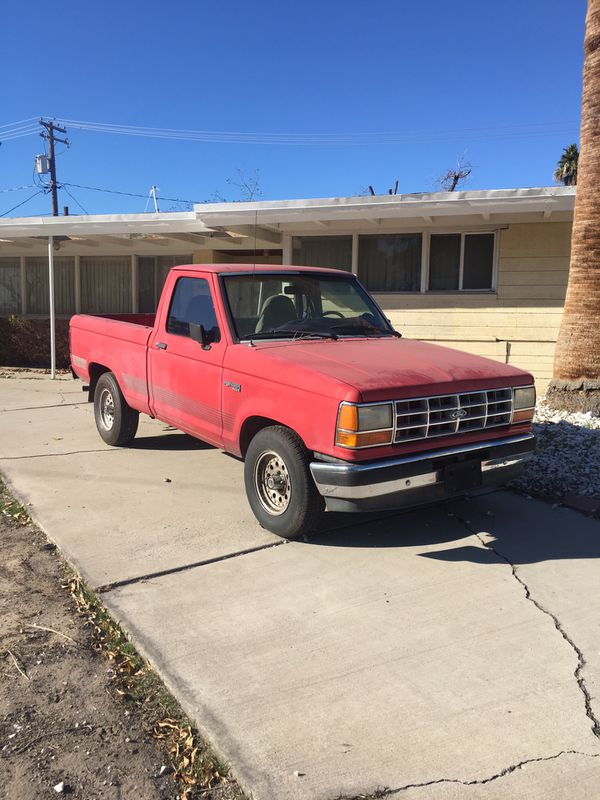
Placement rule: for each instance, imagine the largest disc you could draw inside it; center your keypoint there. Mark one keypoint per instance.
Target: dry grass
(197, 771)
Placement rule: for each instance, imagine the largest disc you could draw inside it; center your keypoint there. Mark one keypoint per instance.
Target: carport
(136, 252)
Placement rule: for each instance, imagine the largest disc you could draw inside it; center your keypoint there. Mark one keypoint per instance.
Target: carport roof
(263, 224)
(543, 201)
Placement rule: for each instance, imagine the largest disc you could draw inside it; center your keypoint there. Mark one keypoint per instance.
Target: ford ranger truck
(297, 371)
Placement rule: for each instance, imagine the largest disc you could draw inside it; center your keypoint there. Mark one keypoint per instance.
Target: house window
(10, 285)
(391, 262)
(36, 285)
(334, 252)
(461, 261)
(152, 274)
(105, 285)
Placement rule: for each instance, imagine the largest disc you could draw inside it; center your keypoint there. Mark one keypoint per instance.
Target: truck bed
(131, 333)
(147, 320)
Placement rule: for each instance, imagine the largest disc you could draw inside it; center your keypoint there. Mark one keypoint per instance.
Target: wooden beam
(23, 243)
(258, 232)
(120, 241)
(224, 238)
(192, 238)
(428, 219)
(80, 241)
(160, 241)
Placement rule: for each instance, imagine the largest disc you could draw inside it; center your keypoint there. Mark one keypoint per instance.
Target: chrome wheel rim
(107, 409)
(272, 483)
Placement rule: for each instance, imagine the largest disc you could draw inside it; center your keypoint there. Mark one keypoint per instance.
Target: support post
(23, 286)
(51, 303)
(134, 284)
(354, 266)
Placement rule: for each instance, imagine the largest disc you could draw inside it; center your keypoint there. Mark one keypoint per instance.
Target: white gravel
(567, 455)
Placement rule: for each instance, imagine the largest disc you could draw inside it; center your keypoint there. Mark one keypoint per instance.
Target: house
(483, 271)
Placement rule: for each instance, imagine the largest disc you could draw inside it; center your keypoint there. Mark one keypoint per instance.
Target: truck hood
(384, 369)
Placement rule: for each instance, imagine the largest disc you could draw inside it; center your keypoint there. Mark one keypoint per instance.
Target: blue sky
(311, 67)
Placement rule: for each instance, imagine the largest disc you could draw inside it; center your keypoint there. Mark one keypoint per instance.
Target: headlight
(364, 425)
(524, 397)
(523, 404)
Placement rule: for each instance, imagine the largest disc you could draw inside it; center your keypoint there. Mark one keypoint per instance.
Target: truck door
(184, 375)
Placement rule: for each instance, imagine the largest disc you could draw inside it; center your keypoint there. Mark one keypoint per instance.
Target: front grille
(444, 415)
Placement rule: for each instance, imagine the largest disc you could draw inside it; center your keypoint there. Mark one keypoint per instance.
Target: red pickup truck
(297, 371)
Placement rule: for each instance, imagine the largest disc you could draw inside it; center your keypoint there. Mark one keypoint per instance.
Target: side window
(192, 303)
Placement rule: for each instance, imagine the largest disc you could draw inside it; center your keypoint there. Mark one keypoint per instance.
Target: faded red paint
(299, 384)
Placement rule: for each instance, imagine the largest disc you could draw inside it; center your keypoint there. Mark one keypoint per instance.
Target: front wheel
(279, 486)
(116, 421)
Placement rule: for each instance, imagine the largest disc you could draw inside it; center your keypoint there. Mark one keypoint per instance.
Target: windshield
(275, 306)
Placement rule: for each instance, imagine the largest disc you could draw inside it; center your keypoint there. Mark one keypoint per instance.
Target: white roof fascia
(494, 201)
(103, 224)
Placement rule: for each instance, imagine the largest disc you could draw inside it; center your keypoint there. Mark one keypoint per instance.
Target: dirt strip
(81, 715)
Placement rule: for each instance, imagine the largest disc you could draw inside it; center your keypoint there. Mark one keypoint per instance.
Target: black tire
(292, 506)
(117, 422)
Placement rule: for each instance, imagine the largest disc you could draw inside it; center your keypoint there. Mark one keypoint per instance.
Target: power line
(130, 194)
(18, 188)
(73, 198)
(15, 124)
(16, 130)
(6, 213)
(17, 135)
(322, 139)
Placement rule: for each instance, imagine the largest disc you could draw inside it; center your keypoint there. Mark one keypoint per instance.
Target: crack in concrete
(185, 567)
(581, 662)
(387, 792)
(206, 562)
(60, 455)
(64, 404)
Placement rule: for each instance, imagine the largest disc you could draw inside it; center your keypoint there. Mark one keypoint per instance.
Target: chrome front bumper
(421, 478)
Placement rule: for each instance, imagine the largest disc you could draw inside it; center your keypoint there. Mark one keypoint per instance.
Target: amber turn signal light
(348, 418)
(523, 416)
(363, 439)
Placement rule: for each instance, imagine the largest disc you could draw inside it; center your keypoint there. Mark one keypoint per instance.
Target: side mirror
(199, 334)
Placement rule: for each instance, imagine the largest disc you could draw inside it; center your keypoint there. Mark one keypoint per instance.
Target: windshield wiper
(294, 335)
(355, 330)
(314, 335)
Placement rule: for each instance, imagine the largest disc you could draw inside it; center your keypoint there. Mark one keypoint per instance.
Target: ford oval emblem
(459, 413)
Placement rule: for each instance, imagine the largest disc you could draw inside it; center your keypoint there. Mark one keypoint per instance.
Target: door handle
(161, 345)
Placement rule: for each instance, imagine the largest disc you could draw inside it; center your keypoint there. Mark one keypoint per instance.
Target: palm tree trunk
(576, 383)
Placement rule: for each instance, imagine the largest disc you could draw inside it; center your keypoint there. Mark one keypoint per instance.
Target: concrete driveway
(445, 653)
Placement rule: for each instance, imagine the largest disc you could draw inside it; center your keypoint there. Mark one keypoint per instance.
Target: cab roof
(223, 269)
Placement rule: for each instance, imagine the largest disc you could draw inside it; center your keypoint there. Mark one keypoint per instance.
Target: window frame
(381, 234)
(461, 264)
(188, 335)
(426, 233)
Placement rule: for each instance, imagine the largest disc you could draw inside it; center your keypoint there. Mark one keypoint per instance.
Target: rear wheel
(116, 421)
(279, 486)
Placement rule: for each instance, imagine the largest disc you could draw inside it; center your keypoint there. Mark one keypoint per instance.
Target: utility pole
(50, 129)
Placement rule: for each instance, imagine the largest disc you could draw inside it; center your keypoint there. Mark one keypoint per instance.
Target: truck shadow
(169, 441)
(392, 529)
(514, 529)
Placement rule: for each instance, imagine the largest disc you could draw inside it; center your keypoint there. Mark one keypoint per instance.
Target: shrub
(26, 342)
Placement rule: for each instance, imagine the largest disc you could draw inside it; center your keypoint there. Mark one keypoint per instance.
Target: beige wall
(524, 313)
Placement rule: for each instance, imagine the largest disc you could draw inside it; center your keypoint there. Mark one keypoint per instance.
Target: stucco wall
(524, 313)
